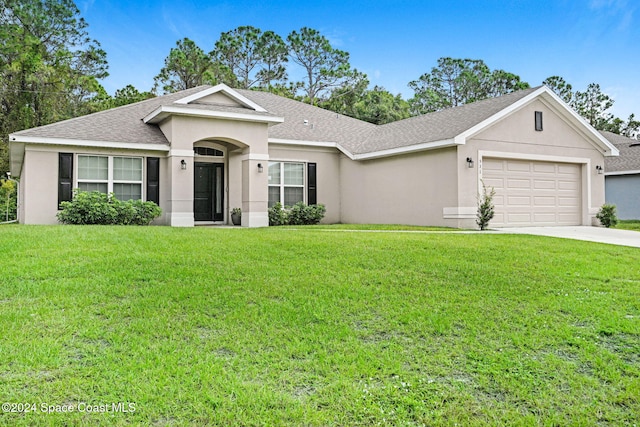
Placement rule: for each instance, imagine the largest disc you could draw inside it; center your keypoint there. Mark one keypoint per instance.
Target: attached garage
(534, 193)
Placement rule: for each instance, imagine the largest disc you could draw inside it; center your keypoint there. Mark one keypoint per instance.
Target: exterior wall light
(260, 168)
(469, 162)
(599, 169)
(183, 165)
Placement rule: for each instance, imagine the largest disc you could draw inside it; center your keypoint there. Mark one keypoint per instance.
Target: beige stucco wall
(39, 179)
(515, 137)
(327, 173)
(406, 189)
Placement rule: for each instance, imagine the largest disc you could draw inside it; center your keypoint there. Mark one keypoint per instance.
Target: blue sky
(395, 42)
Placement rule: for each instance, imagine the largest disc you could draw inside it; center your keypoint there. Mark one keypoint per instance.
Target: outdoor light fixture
(469, 162)
(599, 169)
(183, 165)
(260, 168)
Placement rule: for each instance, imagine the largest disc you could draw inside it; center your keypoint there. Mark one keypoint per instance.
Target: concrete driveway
(591, 234)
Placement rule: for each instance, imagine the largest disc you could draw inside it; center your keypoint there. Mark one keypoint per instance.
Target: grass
(278, 327)
(372, 227)
(629, 224)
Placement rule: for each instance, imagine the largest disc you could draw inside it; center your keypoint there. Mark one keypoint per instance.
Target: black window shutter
(153, 180)
(65, 177)
(312, 194)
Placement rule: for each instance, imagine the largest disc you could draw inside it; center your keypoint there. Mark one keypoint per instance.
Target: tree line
(50, 70)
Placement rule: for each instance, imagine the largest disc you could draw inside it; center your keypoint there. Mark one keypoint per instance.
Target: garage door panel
(530, 193)
(519, 200)
(519, 218)
(544, 184)
(494, 182)
(568, 169)
(518, 166)
(568, 201)
(498, 217)
(518, 183)
(498, 199)
(546, 218)
(544, 168)
(568, 185)
(544, 201)
(493, 164)
(567, 219)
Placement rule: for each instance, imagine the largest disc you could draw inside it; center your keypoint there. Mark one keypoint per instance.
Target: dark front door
(208, 197)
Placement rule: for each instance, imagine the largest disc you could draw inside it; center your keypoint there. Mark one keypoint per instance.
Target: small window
(206, 151)
(538, 120)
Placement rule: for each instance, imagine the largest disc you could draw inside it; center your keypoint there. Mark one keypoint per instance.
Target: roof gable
(219, 101)
(221, 95)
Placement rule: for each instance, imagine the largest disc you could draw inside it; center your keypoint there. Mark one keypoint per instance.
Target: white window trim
(282, 185)
(110, 181)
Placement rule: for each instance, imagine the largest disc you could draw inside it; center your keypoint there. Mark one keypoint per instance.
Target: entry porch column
(255, 190)
(181, 188)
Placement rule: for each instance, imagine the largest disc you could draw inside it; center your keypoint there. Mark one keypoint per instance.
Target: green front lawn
(629, 224)
(275, 326)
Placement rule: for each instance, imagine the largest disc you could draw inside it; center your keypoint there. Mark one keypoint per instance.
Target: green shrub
(298, 214)
(607, 215)
(8, 200)
(94, 207)
(277, 215)
(486, 210)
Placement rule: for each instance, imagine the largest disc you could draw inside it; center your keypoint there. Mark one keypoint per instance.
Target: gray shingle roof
(121, 124)
(302, 122)
(322, 125)
(438, 126)
(361, 137)
(629, 158)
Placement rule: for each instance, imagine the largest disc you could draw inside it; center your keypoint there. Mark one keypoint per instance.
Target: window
(538, 120)
(286, 183)
(120, 175)
(206, 151)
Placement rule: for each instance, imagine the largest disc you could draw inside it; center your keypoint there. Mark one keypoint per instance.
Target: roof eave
(14, 138)
(425, 146)
(165, 111)
(16, 157)
(629, 172)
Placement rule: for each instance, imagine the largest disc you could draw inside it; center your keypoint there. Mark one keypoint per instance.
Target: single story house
(200, 152)
(622, 176)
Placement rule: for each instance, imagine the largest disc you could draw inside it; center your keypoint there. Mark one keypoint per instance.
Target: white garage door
(531, 193)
